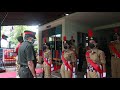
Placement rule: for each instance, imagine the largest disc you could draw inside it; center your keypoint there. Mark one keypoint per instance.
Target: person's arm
(32, 68)
(30, 58)
(73, 58)
(50, 56)
(103, 61)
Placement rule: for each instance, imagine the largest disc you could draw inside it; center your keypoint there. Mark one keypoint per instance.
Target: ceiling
(91, 19)
(29, 18)
(95, 19)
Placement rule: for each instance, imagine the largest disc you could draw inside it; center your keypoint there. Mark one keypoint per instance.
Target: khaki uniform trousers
(65, 73)
(93, 74)
(47, 71)
(17, 66)
(115, 67)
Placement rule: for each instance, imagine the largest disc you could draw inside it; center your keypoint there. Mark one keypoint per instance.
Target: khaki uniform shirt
(97, 56)
(117, 46)
(48, 54)
(69, 55)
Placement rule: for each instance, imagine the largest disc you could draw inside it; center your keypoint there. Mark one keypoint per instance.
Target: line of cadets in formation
(96, 62)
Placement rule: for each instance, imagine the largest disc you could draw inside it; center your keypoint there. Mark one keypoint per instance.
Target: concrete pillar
(0, 35)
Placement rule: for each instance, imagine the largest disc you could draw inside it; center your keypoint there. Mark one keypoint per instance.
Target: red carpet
(13, 74)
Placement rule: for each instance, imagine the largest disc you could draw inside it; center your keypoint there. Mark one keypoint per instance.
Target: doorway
(104, 36)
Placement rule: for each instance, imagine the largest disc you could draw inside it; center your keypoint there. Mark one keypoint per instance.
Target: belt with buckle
(115, 56)
(24, 66)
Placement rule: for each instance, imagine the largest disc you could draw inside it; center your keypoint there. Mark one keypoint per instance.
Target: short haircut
(20, 38)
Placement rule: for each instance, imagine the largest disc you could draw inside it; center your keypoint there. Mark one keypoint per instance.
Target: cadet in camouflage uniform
(27, 57)
(68, 58)
(115, 56)
(47, 57)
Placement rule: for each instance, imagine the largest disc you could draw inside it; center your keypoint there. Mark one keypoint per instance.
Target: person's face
(31, 39)
(45, 47)
(66, 46)
(92, 44)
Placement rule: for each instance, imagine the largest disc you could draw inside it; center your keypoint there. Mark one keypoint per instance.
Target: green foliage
(17, 30)
(13, 34)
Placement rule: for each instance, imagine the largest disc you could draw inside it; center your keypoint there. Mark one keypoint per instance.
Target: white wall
(107, 26)
(72, 27)
(69, 28)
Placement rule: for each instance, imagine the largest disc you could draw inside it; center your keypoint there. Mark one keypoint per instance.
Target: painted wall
(72, 27)
(69, 28)
(107, 26)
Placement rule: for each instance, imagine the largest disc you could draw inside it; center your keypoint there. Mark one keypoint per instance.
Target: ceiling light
(66, 14)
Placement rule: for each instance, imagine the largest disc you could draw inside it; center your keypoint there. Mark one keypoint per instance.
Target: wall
(72, 27)
(107, 26)
(69, 28)
(105, 31)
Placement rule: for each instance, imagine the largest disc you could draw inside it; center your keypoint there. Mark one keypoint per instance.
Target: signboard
(8, 55)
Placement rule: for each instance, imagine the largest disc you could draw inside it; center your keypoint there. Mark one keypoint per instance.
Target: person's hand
(104, 74)
(35, 76)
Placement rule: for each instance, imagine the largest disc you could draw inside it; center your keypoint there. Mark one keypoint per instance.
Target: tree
(14, 31)
(17, 30)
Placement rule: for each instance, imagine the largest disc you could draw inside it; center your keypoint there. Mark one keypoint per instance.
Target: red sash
(112, 47)
(94, 65)
(65, 62)
(75, 54)
(40, 53)
(45, 60)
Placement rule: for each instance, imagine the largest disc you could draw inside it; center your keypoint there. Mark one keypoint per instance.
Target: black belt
(24, 66)
(113, 55)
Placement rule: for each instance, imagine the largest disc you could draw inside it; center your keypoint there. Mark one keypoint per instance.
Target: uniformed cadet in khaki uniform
(69, 58)
(47, 64)
(115, 60)
(73, 48)
(98, 57)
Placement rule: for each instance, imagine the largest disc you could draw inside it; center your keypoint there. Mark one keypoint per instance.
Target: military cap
(32, 34)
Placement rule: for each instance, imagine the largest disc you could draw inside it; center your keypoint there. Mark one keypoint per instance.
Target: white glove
(104, 74)
(75, 76)
(73, 69)
(85, 76)
(52, 69)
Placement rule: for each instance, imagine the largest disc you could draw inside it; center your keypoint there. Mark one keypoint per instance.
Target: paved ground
(56, 74)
